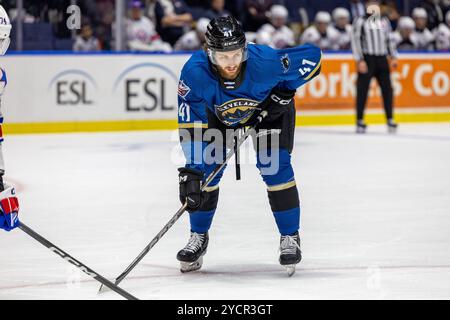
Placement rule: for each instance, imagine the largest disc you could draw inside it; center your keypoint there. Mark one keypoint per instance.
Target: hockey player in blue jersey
(9, 206)
(225, 87)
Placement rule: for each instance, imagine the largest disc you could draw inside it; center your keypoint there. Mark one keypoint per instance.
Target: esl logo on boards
(73, 88)
(148, 87)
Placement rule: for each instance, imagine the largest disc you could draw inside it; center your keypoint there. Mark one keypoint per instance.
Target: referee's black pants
(378, 67)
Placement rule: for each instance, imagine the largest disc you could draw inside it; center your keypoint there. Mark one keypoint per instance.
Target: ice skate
(361, 127)
(392, 126)
(191, 256)
(290, 253)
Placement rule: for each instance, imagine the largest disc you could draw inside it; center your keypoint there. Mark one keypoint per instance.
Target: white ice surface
(375, 218)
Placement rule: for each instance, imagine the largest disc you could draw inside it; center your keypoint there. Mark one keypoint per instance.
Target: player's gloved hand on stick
(277, 103)
(190, 187)
(9, 209)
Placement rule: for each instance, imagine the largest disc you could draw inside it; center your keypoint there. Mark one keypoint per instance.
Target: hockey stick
(183, 208)
(75, 262)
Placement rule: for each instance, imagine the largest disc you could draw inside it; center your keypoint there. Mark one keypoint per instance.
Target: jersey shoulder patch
(183, 89)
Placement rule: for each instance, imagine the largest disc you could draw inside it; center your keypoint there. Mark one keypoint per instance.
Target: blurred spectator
(423, 36)
(194, 39)
(256, 14)
(141, 34)
(276, 34)
(86, 40)
(321, 33)
(357, 9)
(403, 36)
(442, 34)
(435, 13)
(217, 10)
(341, 19)
(173, 19)
(389, 10)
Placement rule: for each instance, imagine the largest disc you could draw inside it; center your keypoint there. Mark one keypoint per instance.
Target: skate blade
(290, 269)
(392, 130)
(191, 266)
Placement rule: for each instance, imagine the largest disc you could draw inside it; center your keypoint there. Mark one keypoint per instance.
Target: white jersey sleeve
(442, 36)
(424, 39)
(310, 35)
(344, 37)
(188, 42)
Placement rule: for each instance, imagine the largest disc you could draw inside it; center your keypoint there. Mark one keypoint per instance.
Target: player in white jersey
(9, 205)
(321, 33)
(341, 19)
(86, 40)
(141, 32)
(403, 36)
(194, 39)
(423, 37)
(276, 34)
(442, 34)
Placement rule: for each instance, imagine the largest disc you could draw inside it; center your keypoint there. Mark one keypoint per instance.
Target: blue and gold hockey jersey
(234, 103)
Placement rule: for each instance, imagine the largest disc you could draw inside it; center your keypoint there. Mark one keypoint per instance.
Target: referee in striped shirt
(371, 46)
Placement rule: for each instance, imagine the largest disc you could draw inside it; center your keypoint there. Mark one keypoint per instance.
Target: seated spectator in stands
(256, 14)
(194, 39)
(442, 34)
(141, 34)
(403, 36)
(423, 37)
(341, 19)
(435, 12)
(86, 40)
(173, 19)
(279, 34)
(217, 10)
(321, 33)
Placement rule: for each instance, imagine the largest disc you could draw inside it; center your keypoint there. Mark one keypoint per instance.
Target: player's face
(322, 27)
(229, 63)
(342, 22)
(406, 32)
(420, 22)
(278, 22)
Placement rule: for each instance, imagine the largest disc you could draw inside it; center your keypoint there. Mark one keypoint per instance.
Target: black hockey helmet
(225, 34)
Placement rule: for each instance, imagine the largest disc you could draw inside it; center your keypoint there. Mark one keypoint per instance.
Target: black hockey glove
(190, 187)
(277, 103)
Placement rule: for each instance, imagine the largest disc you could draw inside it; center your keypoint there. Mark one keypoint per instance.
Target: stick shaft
(75, 262)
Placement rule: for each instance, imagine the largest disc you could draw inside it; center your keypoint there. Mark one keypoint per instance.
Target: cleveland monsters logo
(236, 111)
